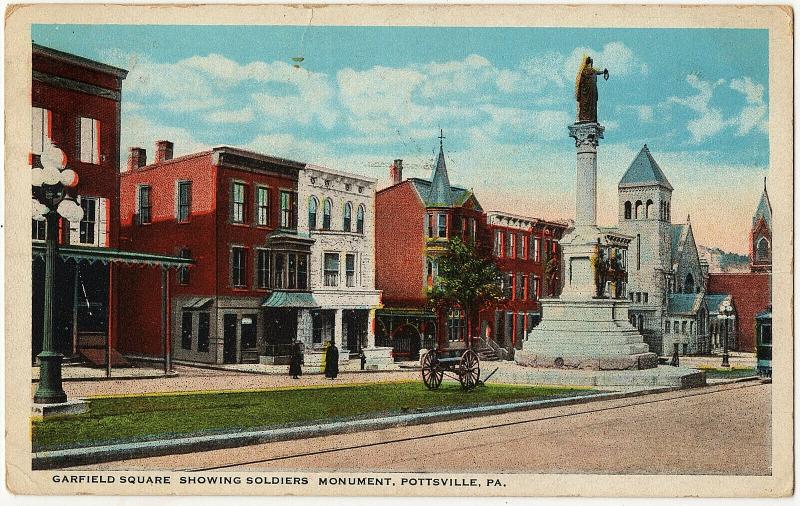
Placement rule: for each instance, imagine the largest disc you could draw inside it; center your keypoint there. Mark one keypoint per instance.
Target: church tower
(761, 235)
(645, 197)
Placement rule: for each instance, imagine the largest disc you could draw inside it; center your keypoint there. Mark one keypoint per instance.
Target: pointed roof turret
(440, 195)
(644, 171)
(764, 209)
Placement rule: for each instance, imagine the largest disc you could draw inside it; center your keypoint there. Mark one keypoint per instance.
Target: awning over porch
(108, 255)
(297, 300)
(198, 303)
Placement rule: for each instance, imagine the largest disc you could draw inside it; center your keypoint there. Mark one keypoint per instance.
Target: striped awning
(197, 303)
(297, 300)
(108, 255)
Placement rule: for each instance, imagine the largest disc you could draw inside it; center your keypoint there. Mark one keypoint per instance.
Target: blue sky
(364, 96)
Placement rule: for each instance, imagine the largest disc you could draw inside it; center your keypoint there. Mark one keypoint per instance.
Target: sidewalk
(736, 359)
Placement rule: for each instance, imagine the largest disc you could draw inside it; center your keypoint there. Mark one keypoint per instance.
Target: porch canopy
(108, 256)
(296, 300)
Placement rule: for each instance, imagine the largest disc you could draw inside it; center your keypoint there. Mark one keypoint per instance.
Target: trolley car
(764, 343)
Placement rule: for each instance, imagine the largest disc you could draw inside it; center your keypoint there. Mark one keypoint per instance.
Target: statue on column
(586, 90)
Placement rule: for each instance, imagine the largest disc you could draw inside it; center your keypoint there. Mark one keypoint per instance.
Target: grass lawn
(136, 418)
(728, 373)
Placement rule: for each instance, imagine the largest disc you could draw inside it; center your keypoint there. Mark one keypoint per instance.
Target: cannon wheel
(431, 372)
(469, 371)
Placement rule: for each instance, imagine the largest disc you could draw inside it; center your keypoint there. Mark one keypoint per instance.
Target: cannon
(464, 365)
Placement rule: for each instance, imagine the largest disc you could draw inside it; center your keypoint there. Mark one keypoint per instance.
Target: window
(238, 266)
(537, 249)
(144, 205)
(331, 269)
(519, 287)
(292, 281)
(536, 286)
(238, 203)
(360, 219)
(302, 271)
(644, 297)
(456, 325)
(638, 209)
(647, 207)
(509, 245)
(262, 206)
(203, 330)
(430, 225)
(766, 335)
(442, 225)
(326, 215)
(186, 331)
(348, 217)
(507, 285)
(88, 224)
(628, 210)
(638, 251)
(41, 122)
(762, 249)
(632, 296)
(184, 200)
(350, 269)
(666, 327)
(518, 246)
(280, 270)
(39, 230)
(498, 243)
(638, 297)
(683, 327)
(288, 209)
(262, 272)
(183, 272)
(89, 131)
(312, 213)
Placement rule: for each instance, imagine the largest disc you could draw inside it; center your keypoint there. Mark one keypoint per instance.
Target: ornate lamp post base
(49, 390)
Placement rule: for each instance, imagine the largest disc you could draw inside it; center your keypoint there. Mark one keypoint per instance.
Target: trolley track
(689, 394)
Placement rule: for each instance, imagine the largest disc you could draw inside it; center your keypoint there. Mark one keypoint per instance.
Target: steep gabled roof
(679, 233)
(440, 194)
(458, 196)
(764, 209)
(684, 303)
(713, 301)
(644, 171)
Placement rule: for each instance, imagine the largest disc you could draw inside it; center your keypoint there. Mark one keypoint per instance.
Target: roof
(765, 314)
(684, 303)
(644, 171)
(79, 60)
(108, 255)
(714, 300)
(279, 299)
(679, 231)
(440, 194)
(310, 167)
(764, 209)
(457, 195)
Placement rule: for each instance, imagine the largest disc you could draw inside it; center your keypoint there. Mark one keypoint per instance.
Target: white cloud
(139, 131)
(754, 113)
(244, 115)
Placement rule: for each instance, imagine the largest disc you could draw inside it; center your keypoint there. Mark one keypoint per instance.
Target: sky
(364, 96)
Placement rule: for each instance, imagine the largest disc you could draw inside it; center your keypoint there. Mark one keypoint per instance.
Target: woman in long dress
(296, 362)
(332, 362)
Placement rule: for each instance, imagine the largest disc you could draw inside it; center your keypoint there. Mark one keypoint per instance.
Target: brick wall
(751, 293)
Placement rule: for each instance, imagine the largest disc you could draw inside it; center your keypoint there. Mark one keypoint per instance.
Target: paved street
(677, 432)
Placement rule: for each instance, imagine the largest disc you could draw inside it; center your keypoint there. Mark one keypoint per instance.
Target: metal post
(109, 325)
(75, 294)
(164, 319)
(49, 390)
(725, 349)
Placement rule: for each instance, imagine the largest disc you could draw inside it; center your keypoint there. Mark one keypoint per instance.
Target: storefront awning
(298, 300)
(108, 255)
(197, 303)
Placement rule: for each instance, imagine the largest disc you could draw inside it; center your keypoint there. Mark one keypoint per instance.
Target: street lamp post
(50, 180)
(725, 314)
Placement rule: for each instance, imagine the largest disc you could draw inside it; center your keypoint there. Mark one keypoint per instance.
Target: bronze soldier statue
(586, 90)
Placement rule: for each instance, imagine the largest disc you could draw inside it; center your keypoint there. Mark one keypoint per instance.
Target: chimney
(163, 151)
(137, 158)
(396, 172)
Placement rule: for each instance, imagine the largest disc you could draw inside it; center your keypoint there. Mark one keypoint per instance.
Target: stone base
(73, 407)
(590, 334)
(661, 376)
(379, 358)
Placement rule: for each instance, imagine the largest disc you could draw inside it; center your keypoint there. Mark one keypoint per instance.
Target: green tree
(466, 280)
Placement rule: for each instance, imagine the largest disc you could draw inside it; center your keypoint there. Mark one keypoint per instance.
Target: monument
(587, 327)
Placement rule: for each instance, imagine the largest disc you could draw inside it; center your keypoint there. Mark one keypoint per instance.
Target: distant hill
(722, 261)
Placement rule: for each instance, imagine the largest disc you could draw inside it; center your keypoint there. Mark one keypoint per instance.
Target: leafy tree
(466, 280)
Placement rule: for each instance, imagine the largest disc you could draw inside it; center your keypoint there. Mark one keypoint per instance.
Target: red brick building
(76, 106)
(752, 291)
(235, 213)
(414, 219)
(522, 248)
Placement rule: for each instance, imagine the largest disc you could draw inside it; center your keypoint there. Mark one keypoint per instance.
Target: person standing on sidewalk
(296, 362)
(332, 361)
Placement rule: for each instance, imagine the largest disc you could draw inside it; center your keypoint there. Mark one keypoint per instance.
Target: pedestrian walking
(332, 361)
(363, 358)
(296, 362)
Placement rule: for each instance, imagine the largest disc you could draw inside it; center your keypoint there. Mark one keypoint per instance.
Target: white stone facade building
(337, 210)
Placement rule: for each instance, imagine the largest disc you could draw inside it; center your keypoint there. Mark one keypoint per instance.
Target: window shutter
(103, 219)
(74, 228)
(96, 140)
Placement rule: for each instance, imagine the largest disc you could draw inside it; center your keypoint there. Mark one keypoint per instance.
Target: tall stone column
(337, 330)
(371, 329)
(587, 137)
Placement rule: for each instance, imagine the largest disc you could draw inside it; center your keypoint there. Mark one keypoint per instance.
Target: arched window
(638, 213)
(312, 213)
(628, 210)
(688, 285)
(762, 249)
(641, 323)
(360, 219)
(348, 217)
(647, 208)
(326, 215)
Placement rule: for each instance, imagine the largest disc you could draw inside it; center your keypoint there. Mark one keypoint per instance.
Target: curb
(172, 374)
(108, 453)
(215, 367)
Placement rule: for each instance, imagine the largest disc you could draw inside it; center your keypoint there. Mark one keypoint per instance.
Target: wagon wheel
(431, 372)
(469, 371)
